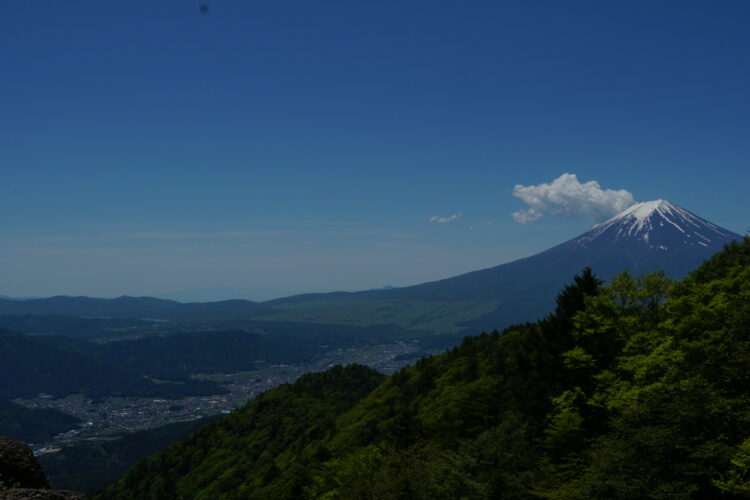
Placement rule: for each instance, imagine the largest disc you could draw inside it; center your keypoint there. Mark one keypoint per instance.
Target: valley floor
(112, 417)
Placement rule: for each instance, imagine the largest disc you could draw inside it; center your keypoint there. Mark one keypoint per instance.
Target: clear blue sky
(284, 146)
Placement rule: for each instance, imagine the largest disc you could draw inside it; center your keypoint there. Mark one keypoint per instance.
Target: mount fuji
(659, 227)
(646, 237)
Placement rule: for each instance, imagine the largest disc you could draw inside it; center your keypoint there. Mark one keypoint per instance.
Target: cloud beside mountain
(566, 196)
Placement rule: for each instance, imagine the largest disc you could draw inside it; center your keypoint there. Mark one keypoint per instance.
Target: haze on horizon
(265, 149)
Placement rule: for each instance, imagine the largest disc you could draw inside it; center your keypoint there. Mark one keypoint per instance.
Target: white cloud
(526, 216)
(445, 220)
(567, 197)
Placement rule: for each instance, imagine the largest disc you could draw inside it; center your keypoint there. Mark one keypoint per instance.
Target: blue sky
(272, 147)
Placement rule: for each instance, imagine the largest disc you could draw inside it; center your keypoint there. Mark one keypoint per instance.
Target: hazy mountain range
(647, 236)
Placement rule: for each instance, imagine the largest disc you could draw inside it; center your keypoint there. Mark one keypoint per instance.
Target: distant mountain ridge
(649, 236)
(645, 237)
(128, 307)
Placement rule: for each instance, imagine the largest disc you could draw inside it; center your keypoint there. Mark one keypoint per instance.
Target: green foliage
(634, 390)
(737, 479)
(735, 254)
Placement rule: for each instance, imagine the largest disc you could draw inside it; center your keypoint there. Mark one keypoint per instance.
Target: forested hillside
(33, 425)
(30, 365)
(90, 465)
(176, 357)
(71, 326)
(246, 452)
(639, 389)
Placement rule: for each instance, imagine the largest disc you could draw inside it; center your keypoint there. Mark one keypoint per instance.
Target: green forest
(638, 389)
(90, 465)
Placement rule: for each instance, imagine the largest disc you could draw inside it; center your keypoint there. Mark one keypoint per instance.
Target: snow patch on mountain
(659, 224)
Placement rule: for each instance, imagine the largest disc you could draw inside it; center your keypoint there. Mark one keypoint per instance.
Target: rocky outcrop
(18, 466)
(22, 478)
(32, 494)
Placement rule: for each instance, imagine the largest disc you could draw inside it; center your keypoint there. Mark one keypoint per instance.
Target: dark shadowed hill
(33, 425)
(130, 307)
(90, 465)
(32, 365)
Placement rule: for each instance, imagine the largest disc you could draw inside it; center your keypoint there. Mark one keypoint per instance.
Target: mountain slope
(32, 365)
(254, 440)
(33, 425)
(90, 465)
(74, 326)
(645, 237)
(130, 307)
(176, 357)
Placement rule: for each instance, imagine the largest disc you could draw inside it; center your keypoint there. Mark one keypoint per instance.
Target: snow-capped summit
(646, 237)
(659, 225)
